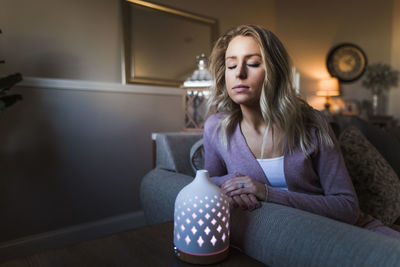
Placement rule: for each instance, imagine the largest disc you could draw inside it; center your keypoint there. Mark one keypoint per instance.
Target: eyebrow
(247, 56)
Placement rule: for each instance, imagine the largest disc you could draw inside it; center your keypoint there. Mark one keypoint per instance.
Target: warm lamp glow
(328, 87)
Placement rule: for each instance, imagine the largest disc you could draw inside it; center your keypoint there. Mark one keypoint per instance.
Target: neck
(252, 118)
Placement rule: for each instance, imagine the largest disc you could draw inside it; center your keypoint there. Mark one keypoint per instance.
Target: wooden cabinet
(383, 121)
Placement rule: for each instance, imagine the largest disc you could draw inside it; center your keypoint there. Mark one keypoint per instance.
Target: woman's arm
(338, 199)
(339, 207)
(213, 161)
(216, 167)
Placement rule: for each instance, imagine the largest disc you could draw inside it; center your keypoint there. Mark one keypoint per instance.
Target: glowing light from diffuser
(201, 236)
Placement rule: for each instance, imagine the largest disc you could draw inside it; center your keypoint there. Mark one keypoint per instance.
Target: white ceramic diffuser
(201, 222)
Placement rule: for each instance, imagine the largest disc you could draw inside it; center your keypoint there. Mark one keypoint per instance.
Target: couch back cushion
(173, 151)
(376, 183)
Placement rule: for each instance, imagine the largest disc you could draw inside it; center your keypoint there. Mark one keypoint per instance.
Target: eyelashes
(254, 65)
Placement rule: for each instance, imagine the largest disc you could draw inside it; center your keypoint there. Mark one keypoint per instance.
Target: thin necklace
(264, 140)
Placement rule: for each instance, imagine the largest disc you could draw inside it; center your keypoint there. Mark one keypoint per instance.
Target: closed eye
(253, 65)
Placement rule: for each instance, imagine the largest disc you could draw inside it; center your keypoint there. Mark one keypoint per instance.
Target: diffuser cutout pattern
(201, 224)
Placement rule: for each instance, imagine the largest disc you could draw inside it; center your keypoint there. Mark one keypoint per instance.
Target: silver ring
(241, 185)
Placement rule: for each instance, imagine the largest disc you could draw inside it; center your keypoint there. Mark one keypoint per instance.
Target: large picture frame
(160, 43)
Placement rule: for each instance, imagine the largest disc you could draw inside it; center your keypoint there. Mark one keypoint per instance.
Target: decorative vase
(201, 222)
(378, 104)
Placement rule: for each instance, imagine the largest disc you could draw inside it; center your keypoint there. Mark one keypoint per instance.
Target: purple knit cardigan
(319, 184)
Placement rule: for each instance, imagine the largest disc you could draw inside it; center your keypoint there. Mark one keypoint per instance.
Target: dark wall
(68, 157)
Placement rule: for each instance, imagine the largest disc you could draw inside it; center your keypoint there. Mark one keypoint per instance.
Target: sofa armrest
(158, 191)
(282, 236)
(279, 235)
(173, 151)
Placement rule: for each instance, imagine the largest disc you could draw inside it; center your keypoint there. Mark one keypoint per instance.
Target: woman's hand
(243, 185)
(245, 201)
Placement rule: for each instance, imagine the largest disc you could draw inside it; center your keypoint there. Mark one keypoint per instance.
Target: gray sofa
(273, 234)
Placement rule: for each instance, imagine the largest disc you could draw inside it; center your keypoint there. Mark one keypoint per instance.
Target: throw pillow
(197, 155)
(376, 184)
(387, 144)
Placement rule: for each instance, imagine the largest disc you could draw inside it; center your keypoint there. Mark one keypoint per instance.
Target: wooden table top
(145, 246)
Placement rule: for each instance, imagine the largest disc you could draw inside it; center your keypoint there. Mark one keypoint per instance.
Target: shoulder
(324, 141)
(213, 122)
(318, 123)
(319, 132)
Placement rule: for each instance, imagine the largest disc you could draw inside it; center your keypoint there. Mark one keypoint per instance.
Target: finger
(254, 200)
(251, 186)
(225, 184)
(240, 202)
(247, 201)
(243, 187)
(229, 183)
(232, 203)
(234, 180)
(238, 184)
(238, 192)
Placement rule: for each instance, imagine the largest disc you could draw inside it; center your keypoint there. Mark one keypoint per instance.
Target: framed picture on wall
(351, 107)
(161, 43)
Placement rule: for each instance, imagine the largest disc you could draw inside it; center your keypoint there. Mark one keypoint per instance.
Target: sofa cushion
(385, 141)
(173, 151)
(376, 183)
(197, 155)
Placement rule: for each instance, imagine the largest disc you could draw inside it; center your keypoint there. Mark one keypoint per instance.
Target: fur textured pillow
(376, 184)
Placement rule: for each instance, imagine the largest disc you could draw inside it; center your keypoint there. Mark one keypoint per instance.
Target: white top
(273, 169)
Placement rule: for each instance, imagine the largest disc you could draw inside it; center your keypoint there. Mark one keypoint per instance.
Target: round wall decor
(346, 62)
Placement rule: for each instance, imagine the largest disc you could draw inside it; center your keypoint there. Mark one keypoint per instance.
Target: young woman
(264, 143)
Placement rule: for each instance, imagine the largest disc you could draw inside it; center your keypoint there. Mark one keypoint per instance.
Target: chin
(247, 98)
(245, 101)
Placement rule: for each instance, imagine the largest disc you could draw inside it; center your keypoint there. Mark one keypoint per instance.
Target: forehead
(242, 46)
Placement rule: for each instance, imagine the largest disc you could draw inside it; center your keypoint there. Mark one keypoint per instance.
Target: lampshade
(201, 222)
(328, 87)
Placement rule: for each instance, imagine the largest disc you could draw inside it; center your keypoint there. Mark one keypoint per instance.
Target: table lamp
(327, 88)
(197, 90)
(201, 222)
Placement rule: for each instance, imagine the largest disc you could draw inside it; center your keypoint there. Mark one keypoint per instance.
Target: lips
(240, 88)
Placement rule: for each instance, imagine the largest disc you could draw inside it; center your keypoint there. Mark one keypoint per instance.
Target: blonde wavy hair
(279, 104)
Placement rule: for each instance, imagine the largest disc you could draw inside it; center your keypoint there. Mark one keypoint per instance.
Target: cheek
(260, 79)
(228, 79)
(229, 82)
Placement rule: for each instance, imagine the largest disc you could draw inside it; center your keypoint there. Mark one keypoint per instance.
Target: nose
(241, 71)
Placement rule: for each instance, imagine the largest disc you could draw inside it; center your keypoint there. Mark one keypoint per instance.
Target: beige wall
(62, 39)
(81, 39)
(230, 13)
(73, 39)
(310, 28)
(394, 94)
